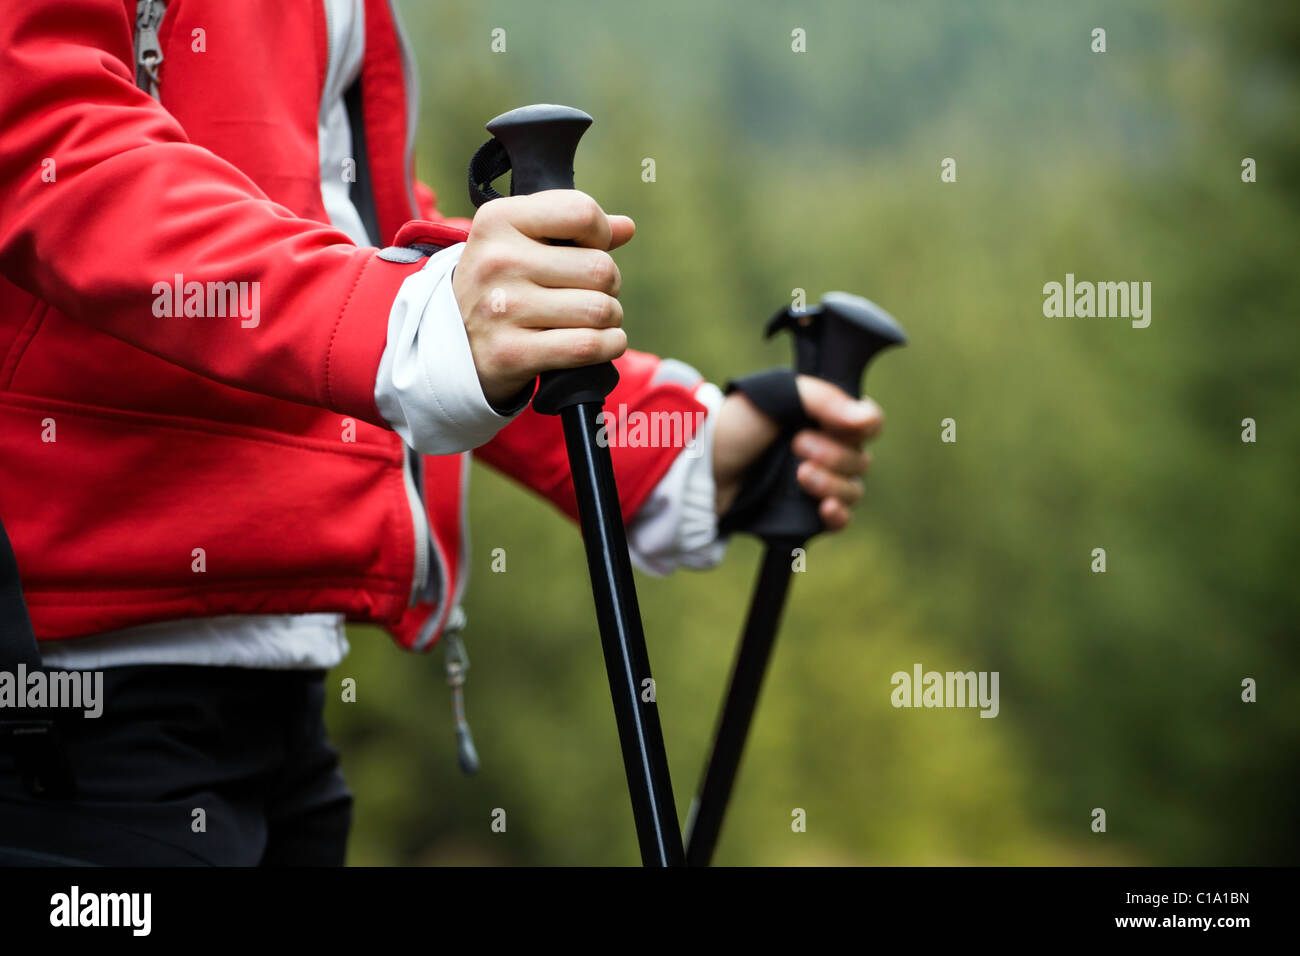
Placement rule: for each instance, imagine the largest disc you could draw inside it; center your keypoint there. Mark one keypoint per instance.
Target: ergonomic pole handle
(537, 144)
(835, 341)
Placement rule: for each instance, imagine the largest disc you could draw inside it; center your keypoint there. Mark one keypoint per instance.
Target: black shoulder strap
(34, 741)
(17, 640)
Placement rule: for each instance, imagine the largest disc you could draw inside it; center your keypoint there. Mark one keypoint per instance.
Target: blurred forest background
(821, 170)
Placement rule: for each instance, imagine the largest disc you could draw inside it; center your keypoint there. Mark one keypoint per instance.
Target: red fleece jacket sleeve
(133, 204)
(531, 448)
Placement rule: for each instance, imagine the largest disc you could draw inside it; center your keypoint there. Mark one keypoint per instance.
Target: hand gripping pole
(538, 144)
(835, 341)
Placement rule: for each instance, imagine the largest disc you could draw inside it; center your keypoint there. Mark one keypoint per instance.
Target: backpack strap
(34, 742)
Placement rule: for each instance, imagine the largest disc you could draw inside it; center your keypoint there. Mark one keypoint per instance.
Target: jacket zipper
(411, 85)
(413, 478)
(148, 50)
(434, 592)
(423, 587)
(149, 56)
(448, 614)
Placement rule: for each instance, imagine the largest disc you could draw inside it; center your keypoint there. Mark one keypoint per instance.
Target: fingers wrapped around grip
(557, 214)
(556, 267)
(531, 306)
(524, 354)
(570, 309)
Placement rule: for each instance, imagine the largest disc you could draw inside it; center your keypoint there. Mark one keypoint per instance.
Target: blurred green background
(820, 170)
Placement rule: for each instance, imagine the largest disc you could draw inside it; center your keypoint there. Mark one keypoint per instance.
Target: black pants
(190, 766)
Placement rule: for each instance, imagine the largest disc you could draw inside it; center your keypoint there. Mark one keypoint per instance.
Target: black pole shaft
(756, 644)
(619, 617)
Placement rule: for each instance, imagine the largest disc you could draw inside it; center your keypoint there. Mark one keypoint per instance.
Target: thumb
(836, 411)
(621, 229)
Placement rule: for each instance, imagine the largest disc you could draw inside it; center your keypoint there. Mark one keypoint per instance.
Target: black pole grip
(540, 142)
(835, 341)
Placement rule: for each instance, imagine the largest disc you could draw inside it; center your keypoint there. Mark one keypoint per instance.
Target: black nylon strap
(17, 640)
(490, 162)
(33, 740)
(776, 395)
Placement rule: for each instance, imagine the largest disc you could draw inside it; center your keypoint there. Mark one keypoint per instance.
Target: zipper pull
(457, 663)
(148, 51)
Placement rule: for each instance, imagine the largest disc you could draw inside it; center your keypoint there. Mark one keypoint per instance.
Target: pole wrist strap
(776, 395)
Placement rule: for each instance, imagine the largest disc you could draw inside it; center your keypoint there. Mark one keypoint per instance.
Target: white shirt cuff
(677, 526)
(427, 388)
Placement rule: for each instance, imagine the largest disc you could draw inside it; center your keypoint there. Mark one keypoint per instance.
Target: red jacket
(172, 435)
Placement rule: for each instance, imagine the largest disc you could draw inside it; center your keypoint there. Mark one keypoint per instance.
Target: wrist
(514, 401)
(741, 436)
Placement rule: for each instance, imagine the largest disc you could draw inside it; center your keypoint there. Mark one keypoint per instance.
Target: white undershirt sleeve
(427, 387)
(677, 526)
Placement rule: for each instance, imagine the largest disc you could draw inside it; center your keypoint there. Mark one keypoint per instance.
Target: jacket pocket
(18, 347)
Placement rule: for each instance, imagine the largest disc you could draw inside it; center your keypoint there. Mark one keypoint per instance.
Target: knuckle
(587, 212)
(599, 311)
(492, 261)
(876, 423)
(603, 273)
(587, 349)
(508, 357)
(490, 214)
(617, 343)
(579, 215)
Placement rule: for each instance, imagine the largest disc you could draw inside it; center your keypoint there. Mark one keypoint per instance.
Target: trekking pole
(538, 144)
(833, 341)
